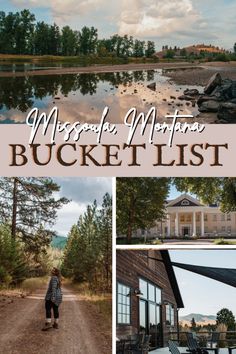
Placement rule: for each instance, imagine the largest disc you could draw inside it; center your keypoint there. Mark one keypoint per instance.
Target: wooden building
(148, 297)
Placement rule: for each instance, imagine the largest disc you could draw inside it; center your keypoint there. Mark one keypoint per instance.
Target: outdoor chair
(120, 347)
(230, 349)
(143, 346)
(191, 343)
(213, 343)
(173, 348)
(193, 346)
(135, 343)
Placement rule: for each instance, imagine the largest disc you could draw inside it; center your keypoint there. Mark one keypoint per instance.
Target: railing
(227, 338)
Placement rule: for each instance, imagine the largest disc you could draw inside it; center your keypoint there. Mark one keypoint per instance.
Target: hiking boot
(55, 325)
(47, 326)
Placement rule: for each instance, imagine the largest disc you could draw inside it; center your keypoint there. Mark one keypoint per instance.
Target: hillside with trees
(202, 52)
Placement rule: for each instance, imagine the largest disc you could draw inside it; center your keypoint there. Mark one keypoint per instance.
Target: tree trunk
(131, 220)
(14, 210)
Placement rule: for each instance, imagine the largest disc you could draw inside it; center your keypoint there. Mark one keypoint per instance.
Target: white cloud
(81, 191)
(63, 10)
(172, 22)
(159, 19)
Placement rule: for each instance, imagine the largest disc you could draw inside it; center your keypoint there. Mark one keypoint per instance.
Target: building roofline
(171, 274)
(182, 196)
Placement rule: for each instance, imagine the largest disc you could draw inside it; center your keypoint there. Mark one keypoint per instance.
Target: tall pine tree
(29, 206)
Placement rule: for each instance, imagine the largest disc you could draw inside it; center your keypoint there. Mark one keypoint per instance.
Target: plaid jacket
(54, 292)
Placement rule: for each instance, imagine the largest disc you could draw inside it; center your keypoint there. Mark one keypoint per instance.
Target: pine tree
(28, 205)
(88, 253)
(105, 239)
(13, 266)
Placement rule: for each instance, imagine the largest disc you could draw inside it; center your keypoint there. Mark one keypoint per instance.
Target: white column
(194, 223)
(202, 223)
(177, 224)
(168, 225)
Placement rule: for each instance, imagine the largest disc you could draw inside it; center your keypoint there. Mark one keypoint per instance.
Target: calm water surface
(82, 97)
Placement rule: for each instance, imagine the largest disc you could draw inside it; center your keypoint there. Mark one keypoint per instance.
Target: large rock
(233, 89)
(224, 91)
(214, 81)
(185, 98)
(191, 92)
(227, 112)
(204, 98)
(209, 106)
(152, 86)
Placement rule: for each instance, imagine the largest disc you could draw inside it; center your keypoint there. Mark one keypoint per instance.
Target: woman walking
(53, 300)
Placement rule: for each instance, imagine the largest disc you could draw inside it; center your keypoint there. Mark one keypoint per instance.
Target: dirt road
(81, 329)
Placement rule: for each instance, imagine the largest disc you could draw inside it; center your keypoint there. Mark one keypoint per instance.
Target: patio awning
(224, 275)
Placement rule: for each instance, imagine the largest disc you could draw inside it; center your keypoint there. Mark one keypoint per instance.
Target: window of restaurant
(150, 312)
(170, 315)
(123, 304)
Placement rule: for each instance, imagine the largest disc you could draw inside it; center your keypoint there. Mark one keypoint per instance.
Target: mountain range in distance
(58, 242)
(199, 319)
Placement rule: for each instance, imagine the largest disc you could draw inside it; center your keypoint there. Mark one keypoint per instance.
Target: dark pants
(49, 305)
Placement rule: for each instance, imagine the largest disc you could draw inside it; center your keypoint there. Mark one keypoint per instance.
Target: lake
(82, 97)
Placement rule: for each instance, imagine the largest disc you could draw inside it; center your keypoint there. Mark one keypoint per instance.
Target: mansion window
(188, 218)
(123, 304)
(228, 217)
(229, 229)
(181, 218)
(197, 217)
(214, 217)
(185, 202)
(205, 217)
(223, 229)
(170, 315)
(222, 217)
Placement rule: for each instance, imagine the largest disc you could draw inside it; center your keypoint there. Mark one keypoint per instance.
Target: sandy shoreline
(191, 73)
(97, 69)
(201, 74)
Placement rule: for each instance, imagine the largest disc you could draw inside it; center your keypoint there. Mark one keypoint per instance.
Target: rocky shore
(219, 97)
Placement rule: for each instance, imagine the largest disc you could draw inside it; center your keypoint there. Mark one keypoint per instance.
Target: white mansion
(187, 217)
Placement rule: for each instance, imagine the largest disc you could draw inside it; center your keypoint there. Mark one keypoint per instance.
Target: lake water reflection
(82, 97)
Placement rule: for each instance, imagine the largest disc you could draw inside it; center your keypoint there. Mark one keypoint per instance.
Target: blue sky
(173, 193)
(173, 22)
(201, 294)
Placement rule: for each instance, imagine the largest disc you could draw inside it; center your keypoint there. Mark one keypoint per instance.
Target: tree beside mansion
(188, 217)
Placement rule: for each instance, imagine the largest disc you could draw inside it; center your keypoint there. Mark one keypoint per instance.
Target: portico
(188, 216)
(187, 223)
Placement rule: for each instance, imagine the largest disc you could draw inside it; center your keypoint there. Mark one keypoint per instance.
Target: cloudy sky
(172, 22)
(200, 294)
(81, 191)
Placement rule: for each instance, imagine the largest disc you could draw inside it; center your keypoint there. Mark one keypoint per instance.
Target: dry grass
(27, 287)
(33, 284)
(101, 302)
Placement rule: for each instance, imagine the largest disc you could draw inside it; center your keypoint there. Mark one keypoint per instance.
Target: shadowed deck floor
(184, 350)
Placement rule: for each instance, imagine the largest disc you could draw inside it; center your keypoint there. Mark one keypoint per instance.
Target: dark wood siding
(134, 264)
